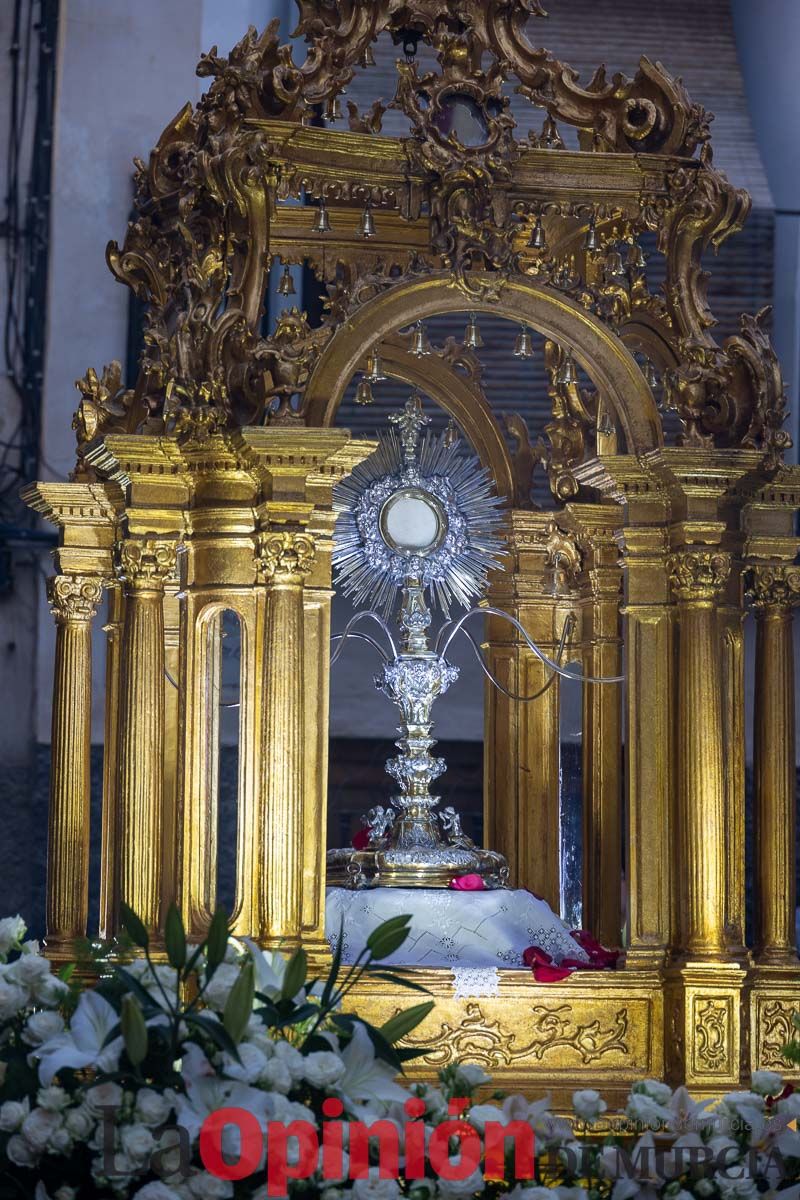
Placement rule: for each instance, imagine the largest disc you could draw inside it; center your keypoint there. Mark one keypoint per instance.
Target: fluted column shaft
(73, 601)
(284, 559)
(602, 744)
(698, 577)
(109, 858)
(775, 590)
(144, 565)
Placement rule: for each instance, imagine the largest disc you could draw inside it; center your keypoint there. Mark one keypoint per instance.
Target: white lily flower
(12, 931)
(83, 1044)
(208, 1094)
(365, 1077)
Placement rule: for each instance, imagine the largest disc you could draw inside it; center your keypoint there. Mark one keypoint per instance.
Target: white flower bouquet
(225, 1071)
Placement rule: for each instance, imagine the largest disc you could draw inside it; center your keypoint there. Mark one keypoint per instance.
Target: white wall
(124, 71)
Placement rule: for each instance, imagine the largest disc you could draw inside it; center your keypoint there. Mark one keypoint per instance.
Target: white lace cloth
(450, 928)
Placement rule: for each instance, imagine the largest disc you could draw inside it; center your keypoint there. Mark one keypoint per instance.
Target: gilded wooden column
(171, 738)
(73, 602)
(775, 591)
(602, 723)
(317, 653)
(109, 859)
(731, 617)
(698, 577)
(649, 691)
(144, 565)
(285, 558)
(522, 764)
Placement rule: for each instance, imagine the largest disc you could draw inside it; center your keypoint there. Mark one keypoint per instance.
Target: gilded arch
(604, 357)
(461, 398)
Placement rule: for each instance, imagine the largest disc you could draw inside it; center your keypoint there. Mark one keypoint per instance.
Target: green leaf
(66, 972)
(216, 1032)
(403, 1022)
(175, 938)
(216, 940)
(133, 985)
(333, 974)
(406, 1054)
(388, 937)
(383, 1048)
(134, 1030)
(399, 980)
(134, 927)
(303, 1013)
(295, 974)
(239, 1005)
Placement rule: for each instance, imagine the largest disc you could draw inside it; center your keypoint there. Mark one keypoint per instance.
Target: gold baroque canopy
(212, 218)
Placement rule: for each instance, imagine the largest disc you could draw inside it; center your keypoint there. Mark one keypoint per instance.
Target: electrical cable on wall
(25, 230)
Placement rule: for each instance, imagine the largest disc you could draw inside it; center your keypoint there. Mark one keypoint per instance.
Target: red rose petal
(534, 956)
(544, 974)
(467, 883)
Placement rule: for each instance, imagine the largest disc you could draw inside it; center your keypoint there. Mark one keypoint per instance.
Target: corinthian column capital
(698, 575)
(285, 553)
(145, 563)
(74, 597)
(774, 586)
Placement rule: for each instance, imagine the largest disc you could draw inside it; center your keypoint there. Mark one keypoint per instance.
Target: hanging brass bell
(375, 368)
(322, 223)
(366, 226)
(286, 284)
(650, 373)
(333, 110)
(523, 346)
(472, 334)
(590, 242)
(420, 345)
(538, 240)
(636, 257)
(364, 392)
(614, 268)
(567, 374)
(605, 425)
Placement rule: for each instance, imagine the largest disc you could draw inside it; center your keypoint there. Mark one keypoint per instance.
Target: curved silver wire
(372, 616)
(498, 684)
(548, 662)
(359, 637)
(222, 704)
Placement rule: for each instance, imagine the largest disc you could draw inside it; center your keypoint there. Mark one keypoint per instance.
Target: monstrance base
(420, 867)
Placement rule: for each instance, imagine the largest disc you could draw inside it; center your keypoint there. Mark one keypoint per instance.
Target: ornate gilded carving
(488, 1043)
(563, 556)
(482, 1041)
(201, 246)
(775, 1029)
(711, 1034)
(104, 403)
(699, 575)
(733, 395)
(555, 1027)
(574, 411)
(284, 553)
(145, 563)
(74, 597)
(774, 586)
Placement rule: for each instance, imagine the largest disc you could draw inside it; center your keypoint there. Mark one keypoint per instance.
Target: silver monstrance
(417, 516)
